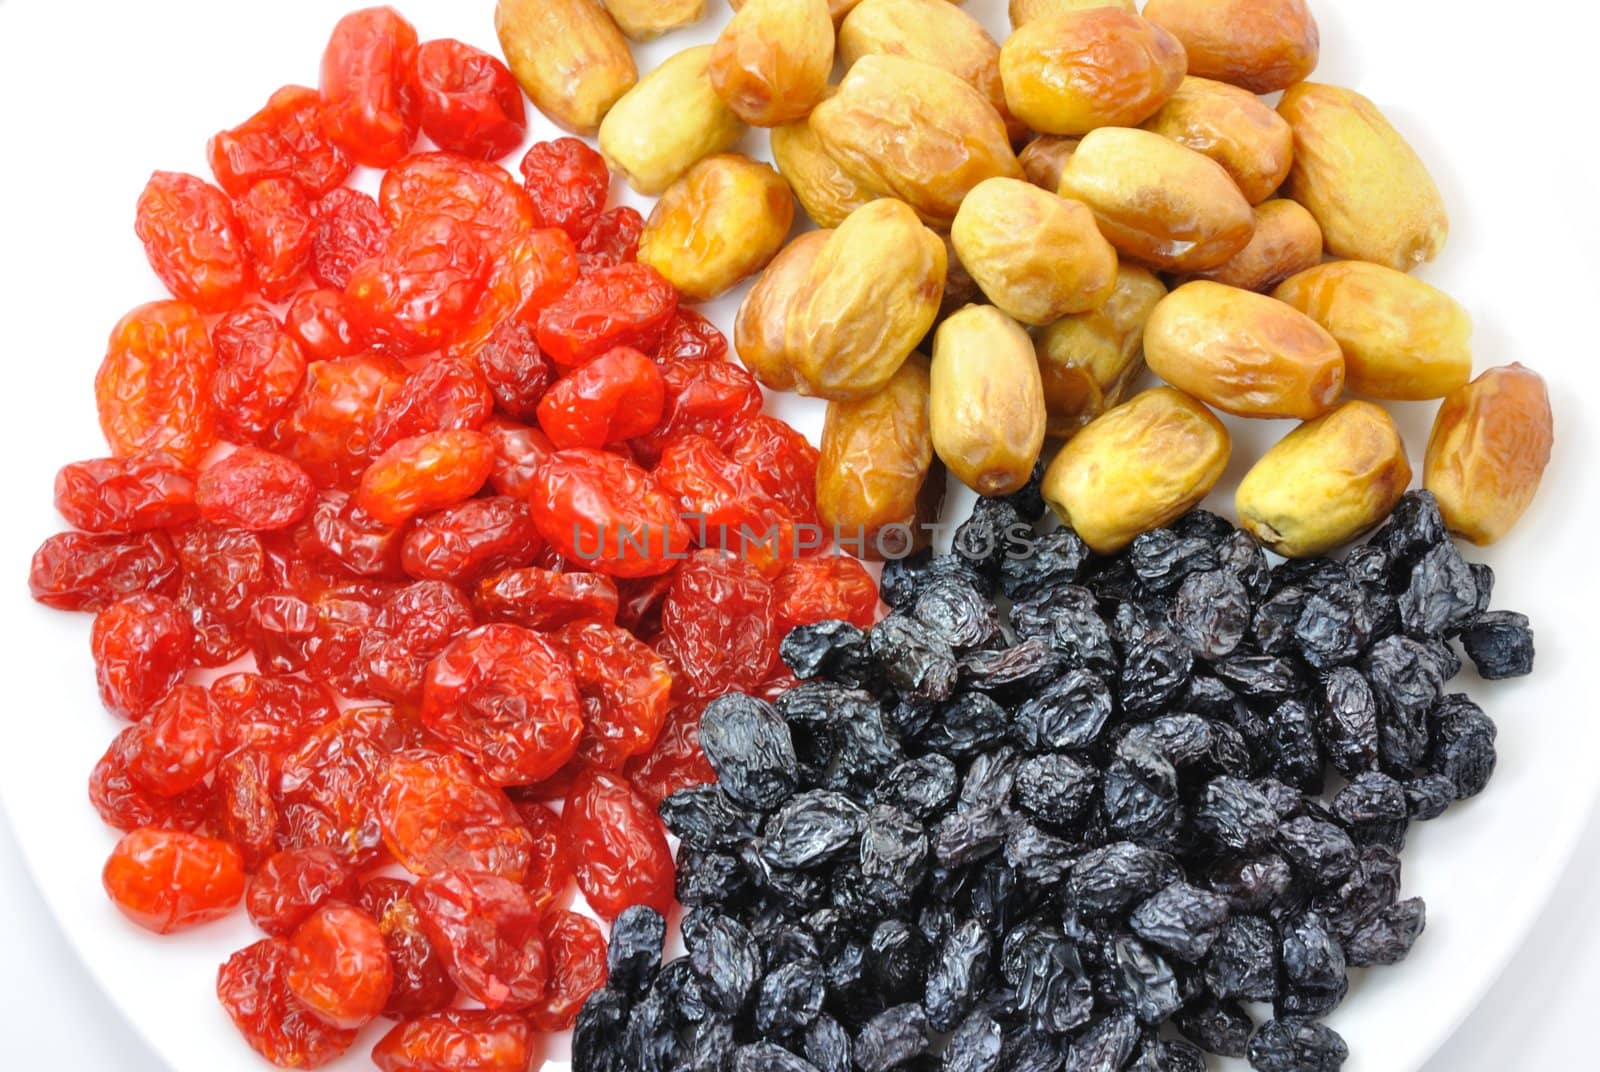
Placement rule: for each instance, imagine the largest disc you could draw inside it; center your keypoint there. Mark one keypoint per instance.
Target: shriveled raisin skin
(166, 880)
(193, 241)
(469, 101)
(253, 987)
(154, 385)
(368, 68)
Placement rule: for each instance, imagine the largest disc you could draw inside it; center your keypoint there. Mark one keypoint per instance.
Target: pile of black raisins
(1056, 801)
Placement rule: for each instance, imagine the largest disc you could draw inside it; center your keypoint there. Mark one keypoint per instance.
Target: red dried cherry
(442, 395)
(351, 229)
(727, 505)
(292, 884)
(613, 240)
(782, 460)
(625, 686)
(285, 139)
(692, 337)
(123, 495)
(421, 984)
(528, 272)
(425, 473)
(245, 811)
(811, 590)
(710, 398)
(550, 870)
(328, 786)
(253, 986)
(625, 305)
(537, 598)
(487, 930)
(367, 91)
(600, 509)
(177, 747)
(464, 542)
(458, 1040)
(193, 241)
(332, 429)
(516, 369)
(480, 196)
(123, 803)
(154, 386)
(141, 648)
(567, 182)
(272, 714)
(618, 843)
(717, 625)
(277, 227)
(260, 367)
(254, 490)
(676, 762)
(616, 396)
(577, 952)
(438, 813)
(167, 880)
(76, 571)
(320, 322)
(518, 452)
(414, 626)
(423, 286)
(339, 966)
(342, 532)
(470, 102)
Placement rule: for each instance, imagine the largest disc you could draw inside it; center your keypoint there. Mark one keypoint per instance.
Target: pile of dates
(444, 464)
(1055, 802)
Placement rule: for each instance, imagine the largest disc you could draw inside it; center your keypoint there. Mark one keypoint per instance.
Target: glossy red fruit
(125, 804)
(529, 271)
(625, 305)
(550, 868)
(292, 884)
(123, 495)
(618, 843)
(177, 747)
(254, 490)
(505, 697)
(482, 197)
(459, 1040)
(537, 598)
(438, 813)
(318, 634)
(259, 366)
(76, 571)
(519, 450)
(167, 880)
(141, 648)
(783, 461)
(517, 371)
(284, 140)
(319, 321)
(469, 100)
(225, 570)
(826, 587)
(487, 930)
(423, 286)
(626, 688)
(154, 385)
(270, 714)
(613, 240)
(616, 396)
(577, 953)
(728, 508)
(567, 182)
(465, 542)
(244, 810)
(350, 229)
(421, 985)
(339, 966)
(425, 473)
(414, 625)
(328, 787)
(332, 429)
(605, 512)
(717, 625)
(709, 398)
(253, 986)
(443, 395)
(692, 337)
(343, 533)
(367, 86)
(192, 241)
(277, 227)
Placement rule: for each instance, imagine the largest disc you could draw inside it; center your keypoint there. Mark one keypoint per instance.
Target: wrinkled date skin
(1088, 360)
(1326, 482)
(1261, 45)
(368, 90)
(603, 510)
(154, 385)
(771, 62)
(1490, 444)
(672, 118)
(827, 191)
(1287, 241)
(1234, 128)
(1073, 72)
(166, 880)
(619, 845)
(569, 58)
(986, 411)
(763, 320)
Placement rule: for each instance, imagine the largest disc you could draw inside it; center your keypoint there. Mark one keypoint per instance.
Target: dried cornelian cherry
(76, 571)
(123, 803)
(470, 102)
(550, 869)
(517, 370)
(244, 811)
(488, 932)
(154, 385)
(826, 587)
(284, 140)
(414, 626)
(605, 512)
(616, 396)
(577, 952)
(538, 598)
(278, 229)
(368, 69)
(272, 714)
(192, 240)
(443, 395)
(710, 398)
(424, 285)
(141, 646)
(350, 230)
(320, 322)
(343, 533)
(692, 337)
(254, 490)
(292, 884)
(339, 966)
(332, 429)
(728, 507)
(619, 845)
(259, 367)
(225, 569)
(482, 197)
(717, 625)
(624, 305)
(168, 880)
(626, 689)
(253, 986)
(613, 240)
(528, 272)
(465, 542)
(124, 495)
(518, 452)
(437, 812)
(505, 697)
(177, 746)
(458, 1040)
(567, 182)
(328, 786)
(420, 984)
(425, 473)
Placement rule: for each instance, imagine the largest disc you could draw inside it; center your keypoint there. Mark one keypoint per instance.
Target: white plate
(93, 97)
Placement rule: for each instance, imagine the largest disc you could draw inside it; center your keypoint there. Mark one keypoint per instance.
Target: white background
(93, 95)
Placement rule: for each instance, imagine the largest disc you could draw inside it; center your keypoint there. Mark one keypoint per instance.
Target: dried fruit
(1233, 127)
(339, 966)
(285, 139)
(141, 647)
(1326, 482)
(125, 495)
(275, 223)
(166, 880)
(422, 288)
(623, 305)
(458, 1039)
(253, 986)
(1136, 468)
(568, 56)
(1087, 361)
(772, 61)
(438, 814)
(1401, 337)
(193, 241)
(826, 191)
(488, 932)
(1369, 191)
(1489, 447)
(1072, 72)
(468, 102)
(986, 411)
(154, 386)
(419, 982)
(722, 221)
(599, 508)
(619, 845)
(259, 369)
(763, 320)
(462, 543)
(368, 86)
(333, 427)
(671, 119)
(73, 571)
(567, 182)
(254, 490)
(425, 473)
(645, 20)
(1286, 241)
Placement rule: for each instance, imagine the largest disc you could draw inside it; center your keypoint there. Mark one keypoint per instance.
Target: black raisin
(1500, 645)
